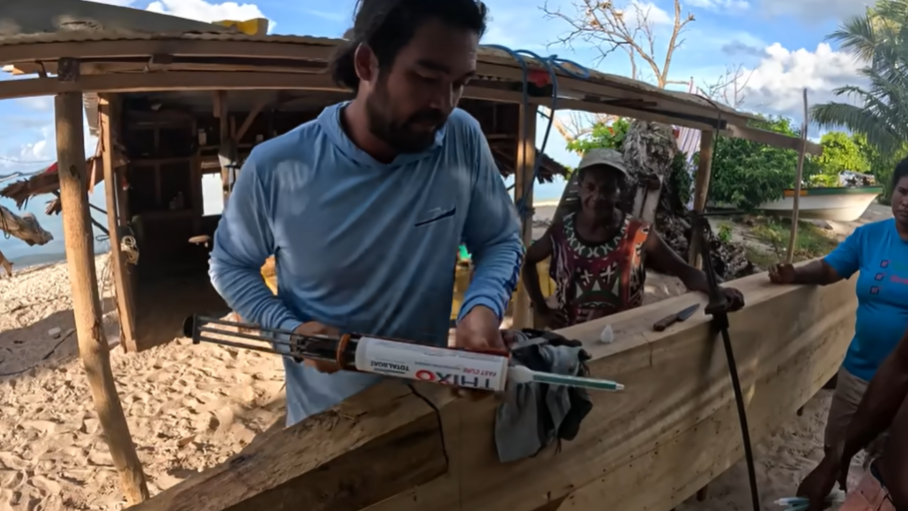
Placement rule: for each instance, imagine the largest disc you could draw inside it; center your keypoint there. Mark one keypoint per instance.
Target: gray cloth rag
(533, 414)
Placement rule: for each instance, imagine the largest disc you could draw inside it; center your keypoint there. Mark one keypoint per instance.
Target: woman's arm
(538, 252)
(661, 258)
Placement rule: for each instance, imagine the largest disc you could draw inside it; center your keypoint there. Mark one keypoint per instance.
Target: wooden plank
(108, 123)
(650, 447)
(250, 118)
(701, 189)
(177, 47)
(771, 139)
(167, 81)
(318, 466)
(80, 259)
(524, 181)
(224, 80)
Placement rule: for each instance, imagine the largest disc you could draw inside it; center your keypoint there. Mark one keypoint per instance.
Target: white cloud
(720, 5)
(777, 83)
(813, 10)
(120, 3)
(39, 103)
(638, 12)
(198, 10)
(203, 11)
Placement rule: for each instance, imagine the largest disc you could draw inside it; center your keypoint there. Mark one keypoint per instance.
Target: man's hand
(479, 331)
(817, 486)
(316, 328)
(734, 297)
(783, 273)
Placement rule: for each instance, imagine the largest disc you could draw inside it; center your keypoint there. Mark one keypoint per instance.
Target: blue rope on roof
(551, 64)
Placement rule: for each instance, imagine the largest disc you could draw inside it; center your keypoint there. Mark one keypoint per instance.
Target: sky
(780, 46)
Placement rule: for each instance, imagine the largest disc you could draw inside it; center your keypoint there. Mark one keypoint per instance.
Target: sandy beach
(191, 407)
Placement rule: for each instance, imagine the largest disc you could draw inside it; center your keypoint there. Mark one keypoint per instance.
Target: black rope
(718, 309)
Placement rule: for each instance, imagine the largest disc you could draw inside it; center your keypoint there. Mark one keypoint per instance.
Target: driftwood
(6, 265)
(674, 428)
(26, 227)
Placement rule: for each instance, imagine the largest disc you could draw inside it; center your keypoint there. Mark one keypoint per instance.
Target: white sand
(191, 407)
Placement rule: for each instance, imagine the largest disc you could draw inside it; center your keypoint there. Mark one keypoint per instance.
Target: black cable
(718, 309)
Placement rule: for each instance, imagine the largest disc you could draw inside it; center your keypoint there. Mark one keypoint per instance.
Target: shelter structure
(176, 102)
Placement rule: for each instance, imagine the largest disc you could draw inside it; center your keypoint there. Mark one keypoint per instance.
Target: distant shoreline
(30, 261)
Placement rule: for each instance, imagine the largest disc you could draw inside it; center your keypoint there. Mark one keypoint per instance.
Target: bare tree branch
(573, 125)
(607, 27)
(729, 88)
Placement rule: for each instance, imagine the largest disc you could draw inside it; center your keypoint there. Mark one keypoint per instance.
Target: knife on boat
(677, 317)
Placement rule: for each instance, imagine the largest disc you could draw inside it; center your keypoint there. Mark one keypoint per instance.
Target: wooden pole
(523, 194)
(107, 113)
(80, 259)
(701, 189)
(793, 239)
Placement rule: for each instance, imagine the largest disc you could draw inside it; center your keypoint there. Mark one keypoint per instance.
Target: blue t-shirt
(334, 217)
(881, 256)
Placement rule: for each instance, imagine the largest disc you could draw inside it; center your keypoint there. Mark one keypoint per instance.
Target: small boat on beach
(838, 204)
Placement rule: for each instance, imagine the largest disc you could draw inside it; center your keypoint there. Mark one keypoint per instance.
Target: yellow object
(461, 282)
(255, 26)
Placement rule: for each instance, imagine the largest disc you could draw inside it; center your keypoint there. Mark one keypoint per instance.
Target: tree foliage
(746, 174)
(879, 37)
(605, 135)
(841, 152)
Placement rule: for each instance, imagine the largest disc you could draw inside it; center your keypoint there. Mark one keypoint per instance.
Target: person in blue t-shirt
(878, 252)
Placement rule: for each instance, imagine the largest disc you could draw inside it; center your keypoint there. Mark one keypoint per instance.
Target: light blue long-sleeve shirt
(364, 246)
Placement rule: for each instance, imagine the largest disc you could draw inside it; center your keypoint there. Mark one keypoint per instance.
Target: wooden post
(523, 194)
(80, 259)
(106, 112)
(793, 239)
(701, 189)
(221, 113)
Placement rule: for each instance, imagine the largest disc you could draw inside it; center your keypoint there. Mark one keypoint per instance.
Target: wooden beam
(224, 119)
(80, 259)
(250, 118)
(525, 164)
(107, 109)
(771, 139)
(296, 469)
(701, 189)
(177, 47)
(224, 80)
(672, 430)
(167, 81)
(799, 176)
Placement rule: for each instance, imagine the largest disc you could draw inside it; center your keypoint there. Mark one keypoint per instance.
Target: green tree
(602, 135)
(746, 174)
(879, 37)
(842, 152)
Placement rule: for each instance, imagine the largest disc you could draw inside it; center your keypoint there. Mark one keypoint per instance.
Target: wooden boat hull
(837, 204)
(650, 447)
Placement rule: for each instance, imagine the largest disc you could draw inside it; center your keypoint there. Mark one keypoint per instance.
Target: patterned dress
(600, 278)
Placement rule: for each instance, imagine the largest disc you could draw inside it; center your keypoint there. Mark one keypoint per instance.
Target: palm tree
(880, 39)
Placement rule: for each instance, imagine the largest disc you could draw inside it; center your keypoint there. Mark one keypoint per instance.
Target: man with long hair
(398, 174)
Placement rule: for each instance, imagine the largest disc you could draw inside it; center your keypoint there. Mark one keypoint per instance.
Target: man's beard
(400, 136)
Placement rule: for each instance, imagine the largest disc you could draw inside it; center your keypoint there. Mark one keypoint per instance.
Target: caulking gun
(386, 357)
